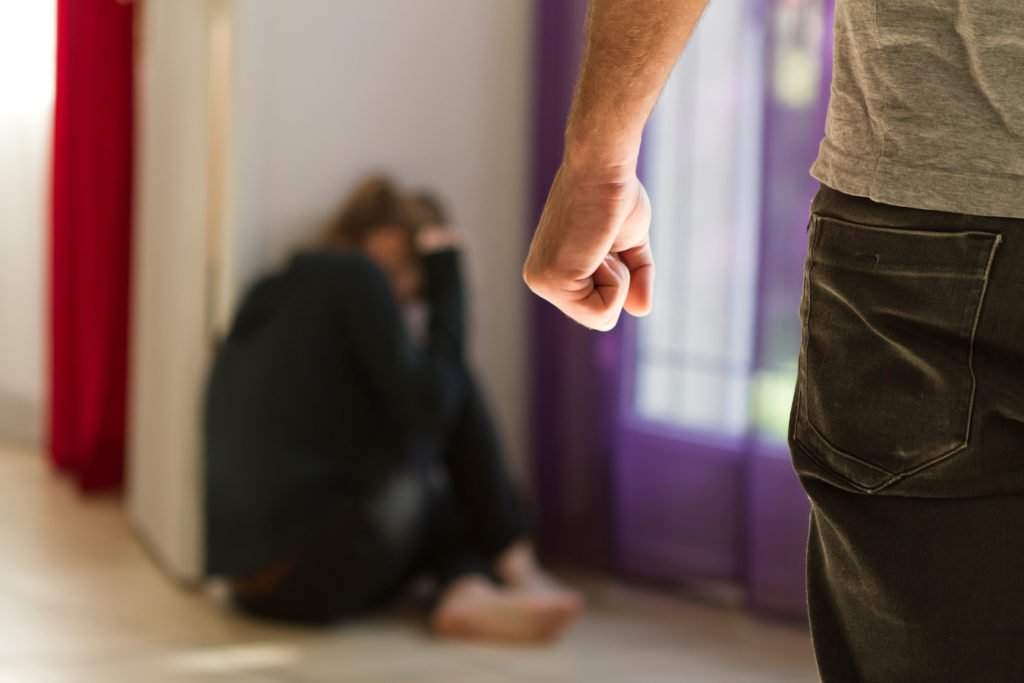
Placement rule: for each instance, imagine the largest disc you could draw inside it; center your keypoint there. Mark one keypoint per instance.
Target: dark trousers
(907, 433)
(446, 507)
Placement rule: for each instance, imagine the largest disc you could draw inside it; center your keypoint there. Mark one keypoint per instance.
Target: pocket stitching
(808, 451)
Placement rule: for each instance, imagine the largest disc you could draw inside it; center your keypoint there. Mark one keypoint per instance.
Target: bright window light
(27, 55)
(695, 352)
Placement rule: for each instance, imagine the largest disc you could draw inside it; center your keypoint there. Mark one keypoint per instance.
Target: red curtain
(91, 240)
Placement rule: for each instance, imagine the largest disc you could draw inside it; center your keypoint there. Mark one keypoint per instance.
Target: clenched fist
(590, 256)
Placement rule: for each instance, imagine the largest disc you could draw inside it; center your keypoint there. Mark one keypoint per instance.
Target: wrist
(601, 155)
(433, 239)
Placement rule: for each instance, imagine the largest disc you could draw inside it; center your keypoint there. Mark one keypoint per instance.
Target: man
(907, 422)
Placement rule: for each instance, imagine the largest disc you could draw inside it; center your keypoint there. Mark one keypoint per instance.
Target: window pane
(729, 265)
(702, 161)
(797, 97)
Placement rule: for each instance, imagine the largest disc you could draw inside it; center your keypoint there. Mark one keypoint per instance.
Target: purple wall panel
(776, 533)
(574, 371)
(677, 508)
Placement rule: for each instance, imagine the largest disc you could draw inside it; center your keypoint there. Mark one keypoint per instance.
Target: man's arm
(590, 255)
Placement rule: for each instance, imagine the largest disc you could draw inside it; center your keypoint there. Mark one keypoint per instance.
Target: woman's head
(382, 223)
(426, 209)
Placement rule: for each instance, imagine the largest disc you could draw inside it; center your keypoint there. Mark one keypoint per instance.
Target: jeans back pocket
(885, 374)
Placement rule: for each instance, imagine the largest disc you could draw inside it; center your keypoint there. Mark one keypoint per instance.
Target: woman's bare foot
(518, 567)
(473, 607)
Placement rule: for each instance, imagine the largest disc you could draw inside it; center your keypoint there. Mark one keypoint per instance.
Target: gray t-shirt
(927, 105)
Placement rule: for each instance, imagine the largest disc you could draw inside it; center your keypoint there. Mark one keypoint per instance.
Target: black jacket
(316, 382)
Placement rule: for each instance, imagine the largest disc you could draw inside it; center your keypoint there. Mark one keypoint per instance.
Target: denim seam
(806, 294)
(904, 230)
(811, 455)
(947, 275)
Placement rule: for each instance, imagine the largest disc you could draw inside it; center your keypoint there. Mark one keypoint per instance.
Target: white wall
(27, 37)
(170, 339)
(436, 93)
(23, 182)
(321, 92)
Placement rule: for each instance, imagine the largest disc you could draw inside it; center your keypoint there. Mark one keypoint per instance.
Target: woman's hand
(590, 255)
(433, 238)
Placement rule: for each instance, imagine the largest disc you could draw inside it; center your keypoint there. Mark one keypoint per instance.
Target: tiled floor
(80, 603)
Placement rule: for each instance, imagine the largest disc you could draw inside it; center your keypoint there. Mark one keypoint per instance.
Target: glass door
(709, 375)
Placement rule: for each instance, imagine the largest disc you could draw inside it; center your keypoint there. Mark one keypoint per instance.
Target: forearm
(442, 381)
(631, 48)
(446, 299)
(418, 386)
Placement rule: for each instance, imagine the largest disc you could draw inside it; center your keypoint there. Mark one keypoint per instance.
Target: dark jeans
(447, 508)
(907, 433)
